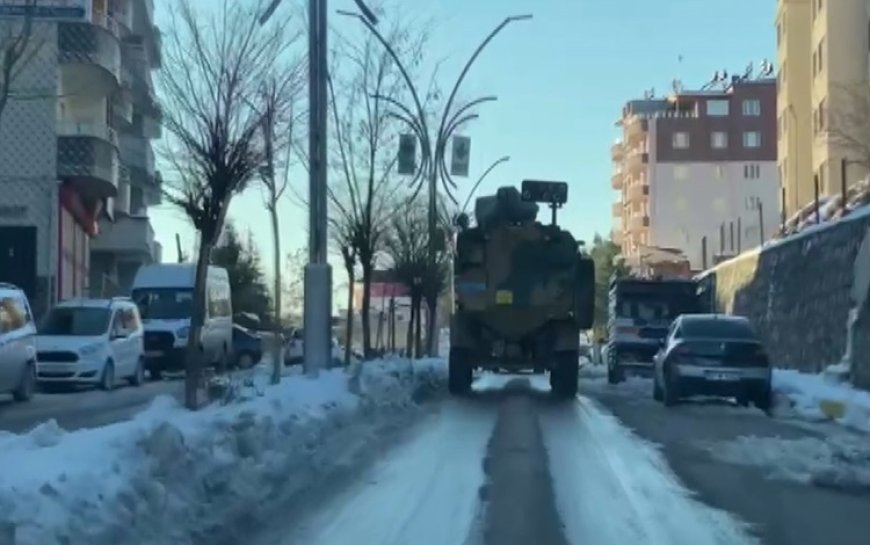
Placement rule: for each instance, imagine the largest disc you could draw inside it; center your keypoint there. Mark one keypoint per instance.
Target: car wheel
(107, 381)
(27, 386)
(139, 374)
(246, 360)
(764, 400)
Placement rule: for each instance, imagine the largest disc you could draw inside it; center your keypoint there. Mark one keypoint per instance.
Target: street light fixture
(433, 150)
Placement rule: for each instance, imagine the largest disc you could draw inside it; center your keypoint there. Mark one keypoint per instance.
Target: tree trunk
(418, 326)
(348, 342)
(409, 336)
(276, 345)
(431, 325)
(193, 354)
(366, 307)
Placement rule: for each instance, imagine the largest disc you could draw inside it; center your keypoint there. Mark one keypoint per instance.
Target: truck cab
(640, 311)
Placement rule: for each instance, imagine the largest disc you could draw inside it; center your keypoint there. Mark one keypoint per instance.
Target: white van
(164, 294)
(91, 341)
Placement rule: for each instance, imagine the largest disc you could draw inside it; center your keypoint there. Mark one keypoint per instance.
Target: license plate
(722, 377)
(153, 353)
(504, 297)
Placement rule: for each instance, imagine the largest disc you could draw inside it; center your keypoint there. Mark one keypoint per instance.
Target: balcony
(617, 209)
(617, 152)
(635, 128)
(130, 237)
(90, 56)
(616, 236)
(87, 157)
(617, 179)
(638, 192)
(637, 160)
(638, 222)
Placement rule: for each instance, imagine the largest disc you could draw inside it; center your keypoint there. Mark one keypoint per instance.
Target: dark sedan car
(712, 354)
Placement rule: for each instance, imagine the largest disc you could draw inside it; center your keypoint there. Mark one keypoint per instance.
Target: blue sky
(561, 79)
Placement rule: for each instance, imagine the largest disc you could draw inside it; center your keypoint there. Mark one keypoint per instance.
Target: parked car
(712, 354)
(91, 341)
(164, 294)
(294, 350)
(247, 347)
(17, 344)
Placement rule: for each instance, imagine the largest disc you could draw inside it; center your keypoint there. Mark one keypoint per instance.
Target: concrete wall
(799, 293)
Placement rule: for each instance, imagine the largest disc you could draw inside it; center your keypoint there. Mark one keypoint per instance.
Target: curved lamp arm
(486, 172)
(470, 62)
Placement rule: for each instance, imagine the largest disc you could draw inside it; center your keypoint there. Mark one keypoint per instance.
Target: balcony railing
(129, 235)
(93, 129)
(616, 179)
(617, 209)
(617, 151)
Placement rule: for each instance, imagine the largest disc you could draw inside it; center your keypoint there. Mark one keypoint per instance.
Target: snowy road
(508, 466)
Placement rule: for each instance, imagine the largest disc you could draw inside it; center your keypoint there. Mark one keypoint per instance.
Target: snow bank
(838, 461)
(821, 397)
(172, 476)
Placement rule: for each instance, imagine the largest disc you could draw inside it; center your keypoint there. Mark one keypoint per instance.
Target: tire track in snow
(424, 492)
(612, 487)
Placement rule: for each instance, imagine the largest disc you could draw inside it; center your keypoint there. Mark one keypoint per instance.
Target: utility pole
(761, 223)
(317, 313)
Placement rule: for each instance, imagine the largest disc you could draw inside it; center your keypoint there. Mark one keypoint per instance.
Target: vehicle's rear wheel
(246, 360)
(615, 374)
(139, 374)
(565, 374)
(670, 391)
(459, 372)
(764, 400)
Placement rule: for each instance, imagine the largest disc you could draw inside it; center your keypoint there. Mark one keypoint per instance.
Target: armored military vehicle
(523, 290)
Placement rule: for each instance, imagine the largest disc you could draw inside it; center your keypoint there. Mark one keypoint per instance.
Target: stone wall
(799, 293)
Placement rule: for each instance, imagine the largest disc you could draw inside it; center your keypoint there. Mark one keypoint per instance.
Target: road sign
(460, 156)
(545, 192)
(407, 160)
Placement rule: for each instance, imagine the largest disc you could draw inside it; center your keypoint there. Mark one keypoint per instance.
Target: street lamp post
(433, 149)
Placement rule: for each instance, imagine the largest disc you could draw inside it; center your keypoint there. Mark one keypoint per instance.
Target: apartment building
(822, 48)
(76, 165)
(694, 166)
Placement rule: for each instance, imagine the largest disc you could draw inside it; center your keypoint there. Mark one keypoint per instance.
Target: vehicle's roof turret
(506, 206)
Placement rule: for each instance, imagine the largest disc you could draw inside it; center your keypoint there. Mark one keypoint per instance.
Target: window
(76, 321)
(719, 140)
(823, 115)
(752, 107)
(752, 139)
(717, 108)
(681, 172)
(821, 54)
(778, 33)
(752, 172)
(719, 172)
(681, 140)
(717, 328)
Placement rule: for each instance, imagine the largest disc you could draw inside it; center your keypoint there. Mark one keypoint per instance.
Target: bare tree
(18, 46)
(848, 123)
(278, 96)
(343, 237)
(365, 139)
(212, 82)
(293, 286)
(407, 249)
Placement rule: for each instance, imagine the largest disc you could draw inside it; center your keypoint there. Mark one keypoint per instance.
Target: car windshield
(717, 329)
(164, 303)
(76, 321)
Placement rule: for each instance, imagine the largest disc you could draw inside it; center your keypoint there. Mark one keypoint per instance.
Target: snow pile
(840, 461)
(173, 476)
(820, 397)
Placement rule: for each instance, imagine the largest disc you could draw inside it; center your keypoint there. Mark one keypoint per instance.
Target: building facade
(76, 167)
(822, 49)
(693, 168)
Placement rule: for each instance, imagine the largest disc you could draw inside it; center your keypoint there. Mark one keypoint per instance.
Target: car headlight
(183, 333)
(90, 349)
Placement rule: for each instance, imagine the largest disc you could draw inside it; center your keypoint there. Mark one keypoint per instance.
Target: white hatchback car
(17, 350)
(91, 341)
